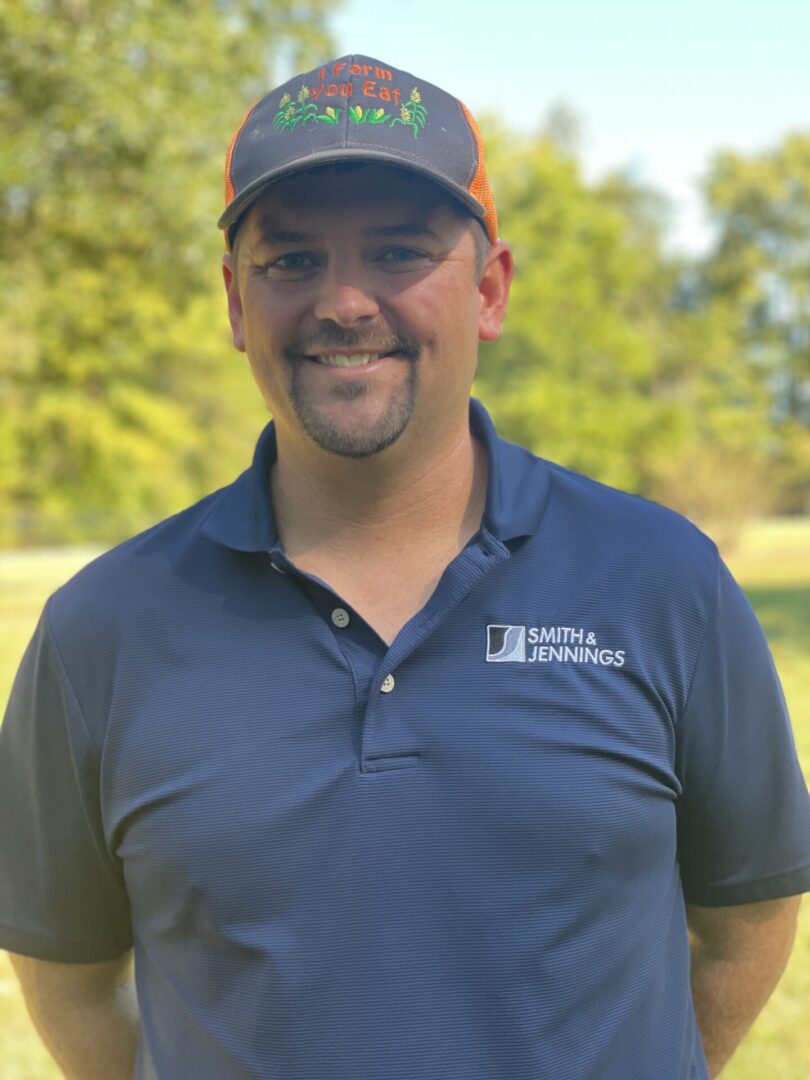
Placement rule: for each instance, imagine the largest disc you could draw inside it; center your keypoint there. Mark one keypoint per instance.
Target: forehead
(350, 192)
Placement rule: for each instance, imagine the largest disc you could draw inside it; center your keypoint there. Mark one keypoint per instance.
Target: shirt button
(277, 567)
(387, 684)
(340, 617)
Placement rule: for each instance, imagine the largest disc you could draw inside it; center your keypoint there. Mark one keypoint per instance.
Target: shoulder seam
(66, 677)
(556, 469)
(699, 651)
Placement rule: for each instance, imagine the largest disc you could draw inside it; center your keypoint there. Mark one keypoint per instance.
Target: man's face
(354, 293)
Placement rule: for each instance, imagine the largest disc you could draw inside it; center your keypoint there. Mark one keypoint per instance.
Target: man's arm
(86, 1014)
(738, 956)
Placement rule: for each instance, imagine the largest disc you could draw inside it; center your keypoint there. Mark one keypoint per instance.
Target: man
(408, 755)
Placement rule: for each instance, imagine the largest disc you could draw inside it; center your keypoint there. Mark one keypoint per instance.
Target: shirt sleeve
(62, 894)
(744, 810)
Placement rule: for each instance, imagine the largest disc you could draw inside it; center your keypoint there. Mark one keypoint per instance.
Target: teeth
(356, 360)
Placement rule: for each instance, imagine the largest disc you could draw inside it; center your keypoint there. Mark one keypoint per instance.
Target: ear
(234, 301)
(494, 290)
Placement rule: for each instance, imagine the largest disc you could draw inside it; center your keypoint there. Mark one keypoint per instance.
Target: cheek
(265, 337)
(267, 324)
(456, 324)
(449, 308)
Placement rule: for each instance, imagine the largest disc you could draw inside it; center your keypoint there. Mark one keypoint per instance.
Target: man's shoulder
(619, 527)
(131, 574)
(578, 510)
(618, 506)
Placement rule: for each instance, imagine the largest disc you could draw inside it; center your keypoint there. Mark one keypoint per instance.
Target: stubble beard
(390, 425)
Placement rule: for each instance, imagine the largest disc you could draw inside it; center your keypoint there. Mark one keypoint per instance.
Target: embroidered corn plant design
(359, 115)
(290, 114)
(302, 111)
(412, 114)
(329, 115)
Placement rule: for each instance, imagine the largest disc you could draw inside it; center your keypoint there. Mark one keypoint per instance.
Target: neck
(389, 503)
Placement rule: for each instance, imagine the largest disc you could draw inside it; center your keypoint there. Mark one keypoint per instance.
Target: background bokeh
(651, 168)
(651, 165)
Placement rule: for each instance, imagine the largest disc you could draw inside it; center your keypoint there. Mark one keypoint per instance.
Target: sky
(657, 86)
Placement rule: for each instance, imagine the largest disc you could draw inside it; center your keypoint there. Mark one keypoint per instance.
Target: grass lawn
(772, 563)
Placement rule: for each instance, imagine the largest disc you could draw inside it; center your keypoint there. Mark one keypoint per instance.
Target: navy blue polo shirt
(461, 857)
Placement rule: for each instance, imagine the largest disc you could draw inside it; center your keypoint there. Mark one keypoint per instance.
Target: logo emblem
(384, 103)
(506, 644)
(549, 645)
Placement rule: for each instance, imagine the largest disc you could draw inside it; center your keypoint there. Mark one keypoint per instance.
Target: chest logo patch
(548, 645)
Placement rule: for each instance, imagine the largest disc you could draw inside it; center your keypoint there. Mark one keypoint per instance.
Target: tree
(760, 268)
(120, 397)
(571, 376)
(606, 364)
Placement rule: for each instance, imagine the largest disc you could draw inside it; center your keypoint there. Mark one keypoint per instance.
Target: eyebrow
(406, 229)
(272, 235)
(269, 234)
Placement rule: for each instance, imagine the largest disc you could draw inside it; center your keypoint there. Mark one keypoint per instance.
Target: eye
(398, 255)
(289, 267)
(293, 261)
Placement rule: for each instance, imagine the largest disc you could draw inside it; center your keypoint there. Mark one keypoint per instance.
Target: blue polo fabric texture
(463, 857)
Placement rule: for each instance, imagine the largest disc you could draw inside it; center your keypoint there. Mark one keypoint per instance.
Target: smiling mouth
(350, 360)
(350, 351)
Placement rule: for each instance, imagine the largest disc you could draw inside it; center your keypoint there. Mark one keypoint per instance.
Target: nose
(345, 298)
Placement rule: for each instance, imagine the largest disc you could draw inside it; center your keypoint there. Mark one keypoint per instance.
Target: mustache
(361, 341)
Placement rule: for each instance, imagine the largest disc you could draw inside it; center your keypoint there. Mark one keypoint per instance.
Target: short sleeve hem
(790, 883)
(61, 952)
(62, 891)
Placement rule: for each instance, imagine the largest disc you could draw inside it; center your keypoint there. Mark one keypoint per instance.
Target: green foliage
(761, 268)
(616, 360)
(123, 401)
(568, 378)
(121, 398)
(712, 458)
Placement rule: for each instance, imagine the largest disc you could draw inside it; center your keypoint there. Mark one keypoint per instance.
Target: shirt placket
(387, 741)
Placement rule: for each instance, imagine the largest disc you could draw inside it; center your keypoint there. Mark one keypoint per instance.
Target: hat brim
(246, 198)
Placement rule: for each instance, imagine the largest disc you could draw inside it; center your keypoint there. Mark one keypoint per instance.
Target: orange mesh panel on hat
(229, 188)
(479, 188)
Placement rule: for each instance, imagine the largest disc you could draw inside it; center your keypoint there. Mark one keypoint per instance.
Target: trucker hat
(357, 109)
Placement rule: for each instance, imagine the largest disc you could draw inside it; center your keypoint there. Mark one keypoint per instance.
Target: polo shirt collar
(519, 482)
(241, 516)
